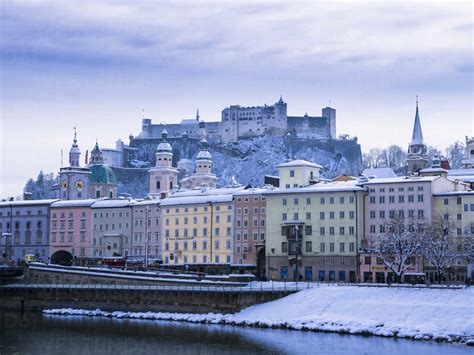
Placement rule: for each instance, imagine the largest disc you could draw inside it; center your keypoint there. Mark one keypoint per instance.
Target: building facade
(143, 212)
(112, 228)
(70, 232)
(458, 207)
(313, 232)
(197, 226)
(24, 228)
(249, 228)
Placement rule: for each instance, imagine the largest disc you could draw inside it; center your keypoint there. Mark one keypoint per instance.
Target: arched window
(111, 194)
(158, 184)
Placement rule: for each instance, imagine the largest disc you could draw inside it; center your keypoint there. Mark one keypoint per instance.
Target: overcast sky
(97, 64)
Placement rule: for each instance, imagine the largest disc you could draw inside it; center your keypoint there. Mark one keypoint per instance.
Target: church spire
(197, 114)
(74, 153)
(417, 136)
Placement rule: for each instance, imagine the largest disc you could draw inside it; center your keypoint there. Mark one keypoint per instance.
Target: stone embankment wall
(133, 298)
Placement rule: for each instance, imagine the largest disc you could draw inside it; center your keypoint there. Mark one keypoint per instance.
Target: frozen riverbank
(420, 314)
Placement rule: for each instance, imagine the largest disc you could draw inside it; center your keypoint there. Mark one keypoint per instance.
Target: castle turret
(330, 114)
(417, 158)
(163, 177)
(96, 155)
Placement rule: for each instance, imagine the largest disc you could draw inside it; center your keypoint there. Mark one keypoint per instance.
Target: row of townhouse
(308, 228)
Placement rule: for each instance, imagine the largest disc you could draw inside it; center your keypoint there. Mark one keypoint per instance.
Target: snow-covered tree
(455, 154)
(42, 188)
(399, 245)
(441, 247)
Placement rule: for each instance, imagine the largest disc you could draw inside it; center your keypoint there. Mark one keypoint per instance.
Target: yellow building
(458, 206)
(320, 224)
(298, 173)
(197, 226)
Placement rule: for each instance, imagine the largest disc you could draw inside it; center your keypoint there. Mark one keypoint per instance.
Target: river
(34, 333)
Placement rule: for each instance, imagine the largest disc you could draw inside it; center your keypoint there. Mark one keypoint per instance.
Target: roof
(164, 147)
(298, 163)
(195, 200)
(336, 186)
(112, 203)
(379, 172)
(102, 174)
(461, 172)
(146, 202)
(73, 203)
(200, 192)
(27, 203)
(254, 191)
(455, 193)
(433, 170)
(401, 179)
(204, 155)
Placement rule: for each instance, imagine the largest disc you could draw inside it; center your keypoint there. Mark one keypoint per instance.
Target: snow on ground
(443, 315)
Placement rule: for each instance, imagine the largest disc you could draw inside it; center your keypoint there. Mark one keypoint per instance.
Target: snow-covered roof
(455, 193)
(146, 202)
(204, 155)
(196, 200)
(73, 203)
(401, 179)
(254, 191)
(200, 192)
(335, 186)
(433, 170)
(112, 203)
(380, 172)
(298, 163)
(164, 147)
(461, 172)
(27, 203)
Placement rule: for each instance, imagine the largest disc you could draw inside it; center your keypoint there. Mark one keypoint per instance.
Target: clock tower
(74, 179)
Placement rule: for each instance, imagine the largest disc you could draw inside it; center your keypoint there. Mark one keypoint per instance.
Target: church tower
(468, 161)
(103, 182)
(417, 158)
(74, 179)
(203, 175)
(163, 177)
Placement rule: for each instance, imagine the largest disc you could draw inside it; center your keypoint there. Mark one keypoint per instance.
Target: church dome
(204, 155)
(102, 174)
(164, 147)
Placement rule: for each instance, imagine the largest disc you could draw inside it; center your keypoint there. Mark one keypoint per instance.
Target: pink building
(70, 231)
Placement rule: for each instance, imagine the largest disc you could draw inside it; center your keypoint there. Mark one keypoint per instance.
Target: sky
(101, 65)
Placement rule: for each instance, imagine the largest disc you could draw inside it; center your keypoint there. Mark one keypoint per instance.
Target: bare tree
(455, 154)
(400, 244)
(440, 246)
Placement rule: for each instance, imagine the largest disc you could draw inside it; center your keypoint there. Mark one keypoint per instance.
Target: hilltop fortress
(238, 122)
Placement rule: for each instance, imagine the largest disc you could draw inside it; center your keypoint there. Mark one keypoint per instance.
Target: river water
(34, 333)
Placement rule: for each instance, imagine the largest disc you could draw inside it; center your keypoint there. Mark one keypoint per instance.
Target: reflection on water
(41, 334)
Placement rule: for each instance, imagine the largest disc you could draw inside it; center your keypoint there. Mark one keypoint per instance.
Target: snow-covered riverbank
(420, 314)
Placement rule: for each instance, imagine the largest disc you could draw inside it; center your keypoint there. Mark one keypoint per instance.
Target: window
(296, 201)
(295, 216)
(411, 198)
(341, 214)
(420, 198)
(331, 230)
(322, 230)
(341, 230)
(351, 199)
(308, 200)
(372, 199)
(372, 228)
(308, 230)
(284, 247)
(331, 215)
(331, 200)
(309, 247)
(446, 201)
(351, 214)
(308, 215)
(421, 214)
(204, 232)
(321, 200)
(351, 230)
(292, 173)
(351, 247)
(285, 202)
(321, 215)
(401, 199)
(367, 260)
(322, 247)
(331, 247)
(284, 217)
(382, 214)
(341, 199)
(342, 247)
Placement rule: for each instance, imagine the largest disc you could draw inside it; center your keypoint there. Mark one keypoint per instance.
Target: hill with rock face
(247, 160)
